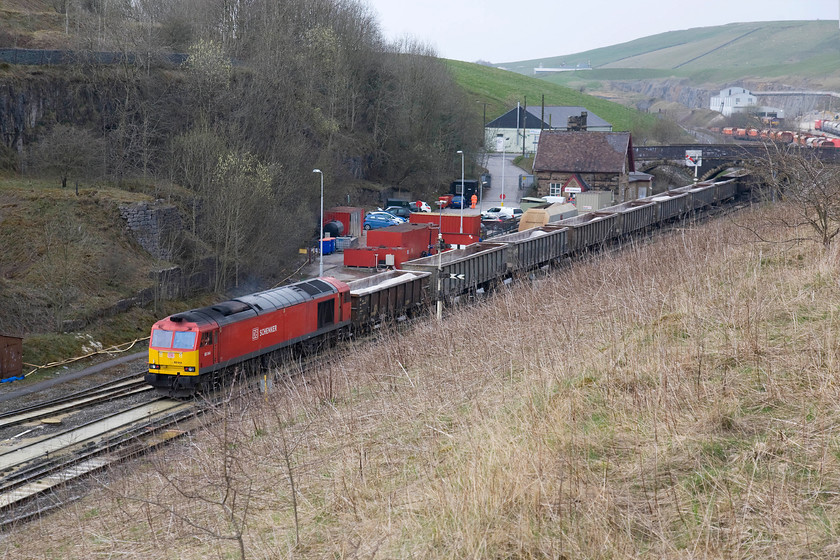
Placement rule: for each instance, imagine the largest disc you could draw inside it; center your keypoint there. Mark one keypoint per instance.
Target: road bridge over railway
(718, 156)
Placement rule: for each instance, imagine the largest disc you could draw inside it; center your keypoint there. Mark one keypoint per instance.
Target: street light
(504, 148)
(462, 189)
(321, 238)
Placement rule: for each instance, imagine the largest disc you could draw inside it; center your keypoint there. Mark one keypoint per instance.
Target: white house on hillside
(739, 100)
(732, 100)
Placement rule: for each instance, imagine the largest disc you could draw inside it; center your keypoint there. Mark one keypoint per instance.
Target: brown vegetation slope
(676, 400)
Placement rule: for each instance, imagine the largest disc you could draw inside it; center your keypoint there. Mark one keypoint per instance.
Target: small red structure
(460, 238)
(372, 257)
(351, 217)
(419, 239)
(449, 223)
(11, 356)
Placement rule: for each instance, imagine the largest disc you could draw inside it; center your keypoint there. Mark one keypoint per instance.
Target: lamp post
(504, 149)
(462, 189)
(321, 238)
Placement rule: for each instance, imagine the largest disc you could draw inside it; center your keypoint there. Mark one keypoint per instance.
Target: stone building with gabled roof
(599, 160)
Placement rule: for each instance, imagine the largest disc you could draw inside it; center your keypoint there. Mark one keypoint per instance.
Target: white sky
(506, 31)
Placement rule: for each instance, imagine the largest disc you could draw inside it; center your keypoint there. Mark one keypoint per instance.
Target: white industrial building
(739, 100)
(733, 100)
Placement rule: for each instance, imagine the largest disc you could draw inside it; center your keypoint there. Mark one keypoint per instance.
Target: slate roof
(585, 152)
(509, 120)
(558, 116)
(555, 117)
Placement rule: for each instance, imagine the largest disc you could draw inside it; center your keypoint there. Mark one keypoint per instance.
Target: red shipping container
(460, 238)
(371, 257)
(451, 223)
(417, 238)
(351, 217)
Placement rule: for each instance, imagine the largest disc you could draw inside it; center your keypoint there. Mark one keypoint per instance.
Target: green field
(799, 51)
(501, 89)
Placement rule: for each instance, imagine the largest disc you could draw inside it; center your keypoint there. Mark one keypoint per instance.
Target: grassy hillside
(687, 411)
(501, 89)
(801, 51)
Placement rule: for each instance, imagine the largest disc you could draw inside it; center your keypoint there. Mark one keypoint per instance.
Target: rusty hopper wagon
(534, 247)
(590, 230)
(635, 215)
(699, 195)
(671, 204)
(387, 296)
(481, 264)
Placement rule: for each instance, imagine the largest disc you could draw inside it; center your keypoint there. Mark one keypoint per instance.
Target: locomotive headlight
(189, 368)
(154, 366)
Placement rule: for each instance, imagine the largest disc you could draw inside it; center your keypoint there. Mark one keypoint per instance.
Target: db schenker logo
(257, 332)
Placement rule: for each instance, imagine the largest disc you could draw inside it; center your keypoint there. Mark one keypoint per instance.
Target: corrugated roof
(584, 152)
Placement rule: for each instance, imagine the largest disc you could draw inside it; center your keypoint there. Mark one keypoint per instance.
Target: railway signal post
(694, 158)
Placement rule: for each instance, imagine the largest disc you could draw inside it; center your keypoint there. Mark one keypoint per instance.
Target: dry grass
(678, 400)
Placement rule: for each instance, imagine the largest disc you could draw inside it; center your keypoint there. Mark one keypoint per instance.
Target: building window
(555, 189)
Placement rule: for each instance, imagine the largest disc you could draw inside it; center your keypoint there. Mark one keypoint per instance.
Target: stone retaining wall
(153, 226)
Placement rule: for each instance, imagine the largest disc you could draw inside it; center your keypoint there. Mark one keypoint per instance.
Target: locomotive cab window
(326, 313)
(206, 339)
(176, 340)
(184, 340)
(161, 338)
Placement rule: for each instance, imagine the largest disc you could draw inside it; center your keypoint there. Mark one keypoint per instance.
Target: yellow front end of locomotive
(173, 362)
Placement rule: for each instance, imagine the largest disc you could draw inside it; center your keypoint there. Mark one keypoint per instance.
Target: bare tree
(811, 186)
(68, 151)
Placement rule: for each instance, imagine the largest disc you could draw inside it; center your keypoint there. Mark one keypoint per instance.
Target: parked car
(403, 212)
(375, 220)
(423, 207)
(499, 211)
(500, 224)
(457, 201)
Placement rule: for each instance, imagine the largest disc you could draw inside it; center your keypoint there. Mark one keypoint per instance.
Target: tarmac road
(507, 184)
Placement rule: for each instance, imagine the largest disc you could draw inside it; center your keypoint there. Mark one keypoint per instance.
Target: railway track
(35, 467)
(125, 386)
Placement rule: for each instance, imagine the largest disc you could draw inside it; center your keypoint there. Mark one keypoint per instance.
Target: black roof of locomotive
(256, 304)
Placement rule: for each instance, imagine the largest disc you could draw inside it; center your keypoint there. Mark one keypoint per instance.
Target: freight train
(805, 139)
(194, 350)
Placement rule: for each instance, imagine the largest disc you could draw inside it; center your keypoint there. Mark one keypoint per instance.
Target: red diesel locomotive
(190, 351)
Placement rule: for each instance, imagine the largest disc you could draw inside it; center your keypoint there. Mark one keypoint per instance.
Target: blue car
(457, 201)
(376, 220)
